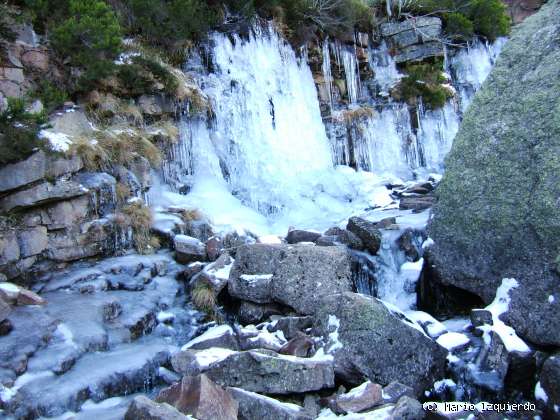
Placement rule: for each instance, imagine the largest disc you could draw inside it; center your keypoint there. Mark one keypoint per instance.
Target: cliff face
(498, 213)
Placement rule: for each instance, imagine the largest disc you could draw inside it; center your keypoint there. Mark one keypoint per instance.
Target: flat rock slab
(267, 372)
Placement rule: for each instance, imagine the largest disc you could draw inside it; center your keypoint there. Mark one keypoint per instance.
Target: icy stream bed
(101, 335)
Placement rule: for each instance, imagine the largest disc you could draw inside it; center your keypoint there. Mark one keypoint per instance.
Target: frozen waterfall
(266, 159)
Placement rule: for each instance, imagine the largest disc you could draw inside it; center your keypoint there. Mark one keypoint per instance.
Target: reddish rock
(27, 297)
(361, 398)
(301, 345)
(201, 398)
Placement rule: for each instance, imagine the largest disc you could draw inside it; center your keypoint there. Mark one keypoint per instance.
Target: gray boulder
(33, 241)
(361, 398)
(254, 406)
(5, 309)
(345, 237)
(296, 235)
(506, 160)
(408, 409)
(367, 231)
(369, 342)
(142, 408)
(267, 372)
(188, 249)
(549, 380)
(9, 247)
(295, 276)
(42, 194)
(36, 167)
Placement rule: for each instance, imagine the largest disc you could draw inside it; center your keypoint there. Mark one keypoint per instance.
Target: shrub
(424, 80)
(19, 132)
(490, 18)
(140, 76)
(90, 37)
(459, 26)
(203, 297)
(168, 22)
(50, 95)
(94, 156)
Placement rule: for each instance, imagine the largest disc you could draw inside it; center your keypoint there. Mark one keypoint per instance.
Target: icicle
(327, 72)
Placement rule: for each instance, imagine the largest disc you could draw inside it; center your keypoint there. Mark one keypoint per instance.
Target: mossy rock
(498, 214)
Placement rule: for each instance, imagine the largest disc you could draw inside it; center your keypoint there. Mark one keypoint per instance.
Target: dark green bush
(140, 76)
(459, 26)
(490, 18)
(50, 95)
(90, 37)
(424, 80)
(18, 132)
(168, 22)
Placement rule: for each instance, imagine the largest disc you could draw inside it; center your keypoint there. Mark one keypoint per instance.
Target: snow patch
(59, 142)
(452, 340)
(540, 393)
(210, 334)
(499, 306)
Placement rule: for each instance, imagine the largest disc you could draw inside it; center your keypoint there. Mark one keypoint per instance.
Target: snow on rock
(59, 142)
(207, 357)
(540, 393)
(212, 333)
(428, 243)
(453, 340)
(164, 316)
(334, 343)
(383, 413)
(551, 299)
(499, 306)
(444, 384)
(432, 326)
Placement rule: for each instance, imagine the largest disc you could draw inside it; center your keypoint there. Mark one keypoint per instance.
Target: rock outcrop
(497, 215)
(295, 276)
(369, 342)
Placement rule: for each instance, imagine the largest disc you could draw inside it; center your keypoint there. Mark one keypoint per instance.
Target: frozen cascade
(352, 73)
(384, 68)
(264, 161)
(472, 65)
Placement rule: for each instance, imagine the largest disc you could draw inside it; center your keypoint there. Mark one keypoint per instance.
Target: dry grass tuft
(203, 297)
(139, 218)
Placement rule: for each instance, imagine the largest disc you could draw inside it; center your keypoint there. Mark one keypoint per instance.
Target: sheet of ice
(452, 340)
(165, 316)
(255, 278)
(540, 393)
(212, 333)
(220, 273)
(498, 307)
(269, 239)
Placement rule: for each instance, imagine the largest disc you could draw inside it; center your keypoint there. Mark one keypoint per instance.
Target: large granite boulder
(498, 210)
(296, 276)
(370, 342)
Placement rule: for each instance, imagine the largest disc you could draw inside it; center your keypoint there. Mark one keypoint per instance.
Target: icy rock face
(101, 334)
